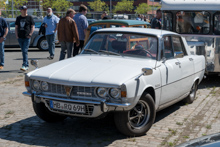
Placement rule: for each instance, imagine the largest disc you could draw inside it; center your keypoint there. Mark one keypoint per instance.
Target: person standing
(51, 24)
(67, 34)
(24, 28)
(82, 25)
(3, 34)
(155, 23)
(104, 15)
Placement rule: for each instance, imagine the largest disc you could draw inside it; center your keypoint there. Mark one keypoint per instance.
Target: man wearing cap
(3, 34)
(24, 28)
(67, 34)
(51, 24)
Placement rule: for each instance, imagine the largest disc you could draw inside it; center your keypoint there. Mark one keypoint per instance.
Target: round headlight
(115, 93)
(102, 92)
(44, 86)
(36, 85)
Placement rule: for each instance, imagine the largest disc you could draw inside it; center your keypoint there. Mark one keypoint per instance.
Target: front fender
(36, 39)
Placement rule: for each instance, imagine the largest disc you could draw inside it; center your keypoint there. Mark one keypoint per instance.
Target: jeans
(24, 44)
(78, 48)
(51, 42)
(2, 56)
(66, 46)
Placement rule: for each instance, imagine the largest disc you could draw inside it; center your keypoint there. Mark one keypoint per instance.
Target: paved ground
(19, 127)
(13, 61)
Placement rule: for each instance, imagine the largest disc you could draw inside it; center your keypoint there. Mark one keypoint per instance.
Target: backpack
(42, 29)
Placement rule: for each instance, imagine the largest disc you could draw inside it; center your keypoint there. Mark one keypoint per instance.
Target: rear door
(171, 73)
(186, 63)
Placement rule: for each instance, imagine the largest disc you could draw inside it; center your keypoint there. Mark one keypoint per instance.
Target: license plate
(67, 107)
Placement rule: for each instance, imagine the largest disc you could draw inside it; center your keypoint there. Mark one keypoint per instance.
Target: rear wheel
(43, 44)
(192, 95)
(43, 113)
(138, 120)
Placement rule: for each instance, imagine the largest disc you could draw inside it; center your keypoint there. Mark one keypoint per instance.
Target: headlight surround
(36, 85)
(115, 93)
(44, 86)
(102, 92)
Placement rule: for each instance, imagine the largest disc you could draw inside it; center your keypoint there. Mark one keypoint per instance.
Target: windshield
(193, 22)
(122, 44)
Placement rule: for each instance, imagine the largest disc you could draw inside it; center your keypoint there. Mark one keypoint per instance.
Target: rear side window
(178, 45)
(168, 50)
(217, 24)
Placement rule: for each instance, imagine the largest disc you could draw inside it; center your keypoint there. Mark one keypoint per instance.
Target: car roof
(190, 5)
(155, 32)
(122, 21)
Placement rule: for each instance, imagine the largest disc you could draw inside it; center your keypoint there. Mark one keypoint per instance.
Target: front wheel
(43, 113)
(43, 44)
(138, 120)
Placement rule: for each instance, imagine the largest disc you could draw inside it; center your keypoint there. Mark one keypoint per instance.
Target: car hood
(92, 70)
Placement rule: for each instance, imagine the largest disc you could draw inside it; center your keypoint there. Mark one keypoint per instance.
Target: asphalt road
(14, 60)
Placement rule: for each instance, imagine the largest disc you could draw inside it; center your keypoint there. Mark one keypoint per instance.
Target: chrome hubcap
(44, 44)
(139, 115)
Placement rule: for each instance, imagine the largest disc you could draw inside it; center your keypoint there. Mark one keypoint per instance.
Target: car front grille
(77, 91)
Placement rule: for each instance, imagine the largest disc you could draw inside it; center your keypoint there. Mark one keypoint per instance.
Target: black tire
(43, 44)
(144, 112)
(43, 113)
(192, 95)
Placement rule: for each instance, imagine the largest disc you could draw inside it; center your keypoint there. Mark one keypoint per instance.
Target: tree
(143, 8)
(98, 5)
(58, 5)
(16, 4)
(124, 5)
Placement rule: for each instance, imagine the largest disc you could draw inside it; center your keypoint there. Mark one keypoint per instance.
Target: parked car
(111, 23)
(91, 20)
(212, 140)
(37, 40)
(133, 72)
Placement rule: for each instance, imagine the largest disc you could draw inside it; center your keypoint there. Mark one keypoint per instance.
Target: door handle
(190, 59)
(177, 63)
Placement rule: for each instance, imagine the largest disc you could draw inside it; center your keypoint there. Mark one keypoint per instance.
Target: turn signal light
(27, 84)
(123, 94)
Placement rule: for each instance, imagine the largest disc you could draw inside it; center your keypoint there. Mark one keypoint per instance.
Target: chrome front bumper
(98, 107)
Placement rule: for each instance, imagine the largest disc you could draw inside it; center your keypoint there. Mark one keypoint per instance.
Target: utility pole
(12, 7)
(111, 8)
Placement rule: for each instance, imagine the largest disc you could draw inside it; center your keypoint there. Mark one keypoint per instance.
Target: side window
(217, 24)
(168, 50)
(178, 46)
(167, 21)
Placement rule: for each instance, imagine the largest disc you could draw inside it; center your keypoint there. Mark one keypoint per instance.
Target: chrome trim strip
(78, 101)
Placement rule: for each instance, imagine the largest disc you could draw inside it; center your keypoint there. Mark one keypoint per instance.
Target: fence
(41, 14)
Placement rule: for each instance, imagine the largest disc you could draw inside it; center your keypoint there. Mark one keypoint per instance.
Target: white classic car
(134, 72)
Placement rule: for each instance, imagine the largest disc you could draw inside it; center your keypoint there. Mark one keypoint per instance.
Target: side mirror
(147, 71)
(178, 54)
(34, 63)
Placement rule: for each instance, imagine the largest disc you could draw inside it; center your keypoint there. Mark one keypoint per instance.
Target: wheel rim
(193, 91)
(44, 44)
(139, 115)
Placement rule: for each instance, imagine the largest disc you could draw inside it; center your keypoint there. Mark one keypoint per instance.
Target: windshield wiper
(110, 52)
(91, 50)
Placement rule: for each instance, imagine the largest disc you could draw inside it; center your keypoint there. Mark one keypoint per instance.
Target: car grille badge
(68, 90)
